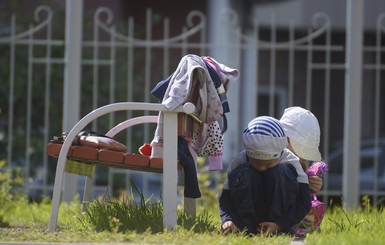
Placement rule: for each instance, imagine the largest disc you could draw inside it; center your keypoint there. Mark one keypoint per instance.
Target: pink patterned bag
(318, 208)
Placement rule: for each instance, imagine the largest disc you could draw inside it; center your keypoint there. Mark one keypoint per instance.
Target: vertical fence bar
(111, 171)
(130, 84)
(111, 116)
(148, 58)
(326, 121)
(112, 74)
(46, 106)
(29, 106)
(353, 95)
(148, 67)
(256, 49)
(377, 98)
(184, 42)
(72, 75)
(272, 66)
(147, 83)
(249, 89)
(130, 74)
(11, 89)
(309, 71)
(166, 50)
(95, 70)
(291, 64)
(236, 89)
(166, 53)
(203, 38)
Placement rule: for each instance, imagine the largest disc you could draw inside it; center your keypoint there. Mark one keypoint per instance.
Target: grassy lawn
(112, 220)
(116, 221)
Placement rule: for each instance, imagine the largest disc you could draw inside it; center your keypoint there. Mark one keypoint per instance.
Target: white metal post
(170, 174)
(72, 76)
(219, 34)
(352, 117)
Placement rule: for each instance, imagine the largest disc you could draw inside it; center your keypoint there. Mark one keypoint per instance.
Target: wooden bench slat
(115, 159)
(137, 160)
(111, 156)
(84, 152)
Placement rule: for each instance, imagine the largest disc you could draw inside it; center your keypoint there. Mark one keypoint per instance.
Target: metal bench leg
(170, 175)
(58, 185)
(87, 192)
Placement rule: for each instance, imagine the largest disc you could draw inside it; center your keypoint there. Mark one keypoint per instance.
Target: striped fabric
(265, 125)
(264, 138)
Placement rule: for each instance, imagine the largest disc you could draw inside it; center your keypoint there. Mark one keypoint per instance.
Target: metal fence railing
(279, 68)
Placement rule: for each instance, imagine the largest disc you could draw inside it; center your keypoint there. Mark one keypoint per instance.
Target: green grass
(363, 226)
(117, 216)
(111, 220)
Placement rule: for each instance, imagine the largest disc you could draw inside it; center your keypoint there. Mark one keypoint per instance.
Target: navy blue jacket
(256, 197)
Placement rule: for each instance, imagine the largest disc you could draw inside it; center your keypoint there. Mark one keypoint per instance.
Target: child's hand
(315, 184)
(229, 226)
(271, 227)
(308, 221)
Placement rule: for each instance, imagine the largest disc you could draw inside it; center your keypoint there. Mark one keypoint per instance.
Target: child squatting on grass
(266, 188)
(303, 132)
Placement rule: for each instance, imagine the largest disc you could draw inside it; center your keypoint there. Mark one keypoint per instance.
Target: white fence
(279, 68)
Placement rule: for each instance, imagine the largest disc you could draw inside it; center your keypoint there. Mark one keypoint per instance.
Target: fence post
(219, 34)
(353, 95)
(72, 76)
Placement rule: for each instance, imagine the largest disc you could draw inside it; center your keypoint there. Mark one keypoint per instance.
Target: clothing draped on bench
(214, 81)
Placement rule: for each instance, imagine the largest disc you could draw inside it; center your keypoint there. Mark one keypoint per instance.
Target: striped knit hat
(264, 138)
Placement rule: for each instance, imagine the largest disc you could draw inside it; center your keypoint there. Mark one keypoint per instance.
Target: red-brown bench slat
(110, 158)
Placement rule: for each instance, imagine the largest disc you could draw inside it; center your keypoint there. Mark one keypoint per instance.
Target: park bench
(167, 165)
(203, 83)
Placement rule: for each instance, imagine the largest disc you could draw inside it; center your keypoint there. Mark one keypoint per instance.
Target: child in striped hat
(266, 188)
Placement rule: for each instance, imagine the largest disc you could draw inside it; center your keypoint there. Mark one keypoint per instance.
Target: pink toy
(318, 209)
(317, 169)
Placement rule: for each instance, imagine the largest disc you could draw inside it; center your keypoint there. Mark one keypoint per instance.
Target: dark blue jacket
(270, 196)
